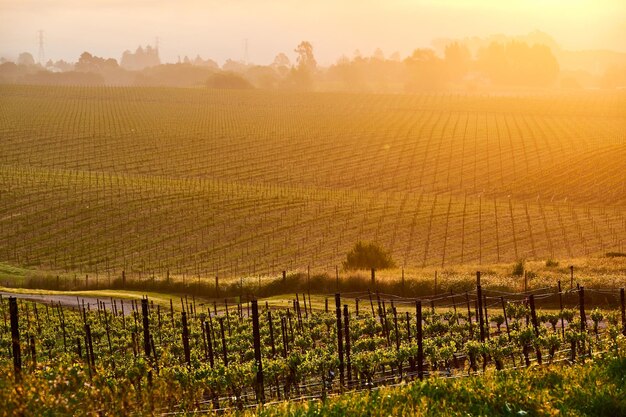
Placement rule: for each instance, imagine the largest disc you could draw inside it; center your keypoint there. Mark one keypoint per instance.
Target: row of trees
(515, 63)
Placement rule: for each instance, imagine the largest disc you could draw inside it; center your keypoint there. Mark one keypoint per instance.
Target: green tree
(366, 256)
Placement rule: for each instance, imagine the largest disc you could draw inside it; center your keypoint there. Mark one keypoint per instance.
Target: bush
(552, 263)
(518, 269)
(228, 80)
(367, 256)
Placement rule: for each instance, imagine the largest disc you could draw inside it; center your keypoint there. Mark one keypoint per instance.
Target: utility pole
(41, 55)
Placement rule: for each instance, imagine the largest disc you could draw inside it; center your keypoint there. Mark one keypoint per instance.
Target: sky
(218, 29)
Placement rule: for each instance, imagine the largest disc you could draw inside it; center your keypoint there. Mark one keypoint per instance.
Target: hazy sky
(217, 28)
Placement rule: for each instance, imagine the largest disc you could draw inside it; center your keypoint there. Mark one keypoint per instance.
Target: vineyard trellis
(272, 353)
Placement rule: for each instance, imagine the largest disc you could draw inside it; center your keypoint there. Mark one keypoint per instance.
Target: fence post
(269, 320)
(89, 348)
(621, 296)
(146, 327)
(420, 345)
(373, 272)
(469, 315)
(561, 309)
(339, 337)
(583, 316)
(186, 339)
(488, 328)
(209, 342)
(533, 315)
(146, 334)
(479, 297)
(15, 338)
(256, 335)
(623, 302)
(224, 352)
(571, 279)
(346, 323)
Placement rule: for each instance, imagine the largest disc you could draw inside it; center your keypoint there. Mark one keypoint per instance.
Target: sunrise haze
(218, 29)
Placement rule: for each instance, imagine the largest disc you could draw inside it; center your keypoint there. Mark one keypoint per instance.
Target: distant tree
(281, 60)
(302, 75)
(379, 54)
(228, 80)
(305, 56)
(9, 71)
(517, 63)
(457, 59)
(425, 71)
(265, 77)
(367, 256)
(91, 63)
(234, 66)
(25, 58)
(141, 58)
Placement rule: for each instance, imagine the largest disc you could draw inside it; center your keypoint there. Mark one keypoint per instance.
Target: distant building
(142, 58)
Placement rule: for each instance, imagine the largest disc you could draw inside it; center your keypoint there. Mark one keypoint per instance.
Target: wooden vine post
(561, 309)
(420, 344)
(15, 338)
(346, 323)
(146, 334)
(583, 318)
(209, 343)
(623, 302)
(256, 336)
(533, 315)
(339, 338)
(469, 315)
(186, 338)
(479, 297)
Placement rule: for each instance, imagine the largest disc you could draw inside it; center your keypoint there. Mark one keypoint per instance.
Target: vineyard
(225, 356)
(194, 183)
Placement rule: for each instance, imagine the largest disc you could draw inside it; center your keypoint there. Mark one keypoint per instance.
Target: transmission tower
(42, 55)
(245, 51)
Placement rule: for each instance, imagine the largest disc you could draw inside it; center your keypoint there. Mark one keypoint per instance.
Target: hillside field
(202, 182)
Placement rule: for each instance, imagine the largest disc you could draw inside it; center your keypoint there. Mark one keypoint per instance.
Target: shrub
(518, 269)
(552, 263)
(367, 256)
(228, 80)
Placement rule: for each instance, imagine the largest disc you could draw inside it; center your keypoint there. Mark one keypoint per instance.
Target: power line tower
(41, 56)
(245, 51)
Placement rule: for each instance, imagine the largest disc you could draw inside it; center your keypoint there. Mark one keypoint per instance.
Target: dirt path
(73, 301)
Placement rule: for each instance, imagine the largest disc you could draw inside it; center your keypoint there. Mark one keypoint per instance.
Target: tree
(281, 60)
(457, 59)
(367, 256)
(425, 71)
(305, 59)
(25, 58)
(302, 75)
(228, 80)
(517, 63)
(92, 63)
